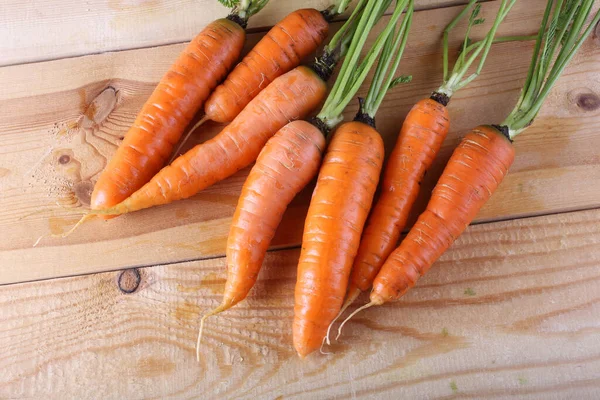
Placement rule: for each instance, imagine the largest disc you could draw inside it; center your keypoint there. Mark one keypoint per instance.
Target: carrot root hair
(352, 295)
(368, 305)
(218, 310)
(187, 136)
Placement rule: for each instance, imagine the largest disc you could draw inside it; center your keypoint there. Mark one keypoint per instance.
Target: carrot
(474, 171)
(289, 97)
(181, 92)
(288, 161)
(292, 39)
(344, 192)
(421, 137)
(484, 156)
(281, 49)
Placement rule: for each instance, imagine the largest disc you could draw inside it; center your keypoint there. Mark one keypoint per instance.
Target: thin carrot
(292, 39)
(346, 185)
(421, 137)
(285, 165)
(484, 156)
(181, 92)
(281, 49)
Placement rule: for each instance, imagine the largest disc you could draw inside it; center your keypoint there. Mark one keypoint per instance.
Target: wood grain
(39, 30)
(511, 311)
(57, 134)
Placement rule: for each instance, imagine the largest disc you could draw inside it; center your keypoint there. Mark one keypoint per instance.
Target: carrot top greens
(470, 51)
(562, 33)
(244, 8)
(353, 71)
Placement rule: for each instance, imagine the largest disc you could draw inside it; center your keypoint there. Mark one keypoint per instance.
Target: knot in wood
(129, 280)
(588, 101)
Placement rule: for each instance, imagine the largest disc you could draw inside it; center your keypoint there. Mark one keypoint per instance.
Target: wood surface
(61, 120)
(36, 30)
(511, 311)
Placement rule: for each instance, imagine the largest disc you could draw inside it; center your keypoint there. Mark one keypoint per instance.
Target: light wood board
(37, 30)
(60, 121)
(511, 311)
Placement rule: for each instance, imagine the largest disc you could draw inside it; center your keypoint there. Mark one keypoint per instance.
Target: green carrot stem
(389, 61)
(564, 29)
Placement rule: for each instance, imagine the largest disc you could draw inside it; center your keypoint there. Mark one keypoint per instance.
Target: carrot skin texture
(281, 49)
(291, 96)
(338, 210)
(421, 137)
(288, 162)
(165, 115)
(476, 168)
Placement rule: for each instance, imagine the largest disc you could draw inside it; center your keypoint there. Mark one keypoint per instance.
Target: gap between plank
(284, 248)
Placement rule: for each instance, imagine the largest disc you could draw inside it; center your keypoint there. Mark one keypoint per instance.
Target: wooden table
(511, 311)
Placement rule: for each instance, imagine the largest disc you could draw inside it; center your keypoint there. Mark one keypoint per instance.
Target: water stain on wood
(188, 289)
(4, 172)
(60, 225)
(214, 282)
(152, 367)
(187, 312)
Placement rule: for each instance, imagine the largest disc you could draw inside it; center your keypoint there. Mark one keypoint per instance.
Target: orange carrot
(170, 108)
(483, 158)
(338, 210)
(421, 137)
(281, 49)
(289, 160)
(345, 188)
(472, 175)
(289, 97)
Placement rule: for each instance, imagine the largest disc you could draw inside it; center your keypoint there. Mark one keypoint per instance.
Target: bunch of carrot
(346, 246)
(260, 95)
(484, 156)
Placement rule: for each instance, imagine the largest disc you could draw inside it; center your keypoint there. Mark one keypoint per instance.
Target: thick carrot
(281, 49)
(421, 137)
(472, 175)
(289, 160)
(484, 156)
(338, 210)
(289, 97)
(345, 188)
(170, 108)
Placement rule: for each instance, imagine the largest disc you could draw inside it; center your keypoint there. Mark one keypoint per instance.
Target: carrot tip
(215, 311)
(371, 304)
(326, 338)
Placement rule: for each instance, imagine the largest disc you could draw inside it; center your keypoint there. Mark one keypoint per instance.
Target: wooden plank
(44, 162)
(39, 30)
(511, 311)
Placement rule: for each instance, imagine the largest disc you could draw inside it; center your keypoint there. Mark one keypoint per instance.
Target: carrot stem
(470, 52)
(564, 30)
(352, 73)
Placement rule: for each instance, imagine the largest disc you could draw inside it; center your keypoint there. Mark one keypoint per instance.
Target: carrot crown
(353, 71)
(244, 9)
(470, 51)
(563, 31)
